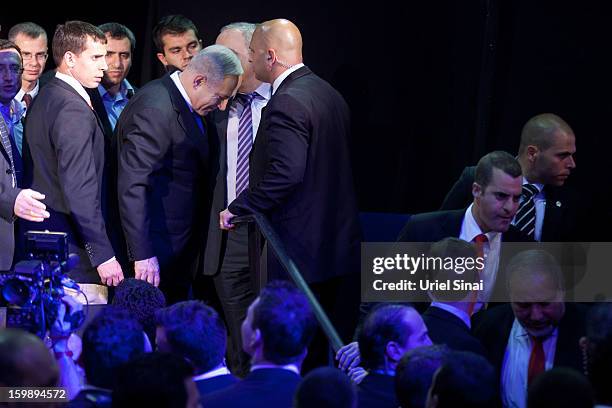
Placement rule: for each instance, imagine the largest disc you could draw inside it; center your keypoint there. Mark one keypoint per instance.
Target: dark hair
(7, 45)
(496, 160)
(119, 32)
(22, 356)
(326, 387)
(72, 36)
(112, 338)
(174, 24)
(599, 335)
(195, 331)
(466, 380)
(414, 373)
(152, 380)
(454, 249)
(384, 323)
(142, 300)
(285, 319)
(28, 29)
(540, 130)
(560, 387)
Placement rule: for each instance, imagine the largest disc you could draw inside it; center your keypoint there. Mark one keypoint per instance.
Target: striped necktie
(245, 141)
(525, 217)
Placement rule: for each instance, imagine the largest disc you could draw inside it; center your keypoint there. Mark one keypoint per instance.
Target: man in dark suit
(226, 257)
(276, 334)
(167, 169)
(537, 331)
(14, 201)
(195, 331)
(448, 317)
(66, 147)
(300, 175)
(546, 156)
(496, 192)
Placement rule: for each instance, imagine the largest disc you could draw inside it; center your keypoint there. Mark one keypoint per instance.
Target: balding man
(547, 211)
(300, 175)
(167, 167)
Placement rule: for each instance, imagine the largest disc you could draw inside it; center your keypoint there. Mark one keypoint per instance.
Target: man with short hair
(387, 333)
(536, 331)
(195, 331)
(226, 255)
(276, 332)
(14, 201)
(66, 144)
(167, 168)
(486, 222)
(177, 41)
(548, 210)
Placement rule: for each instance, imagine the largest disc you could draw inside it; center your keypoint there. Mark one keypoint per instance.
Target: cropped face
(10, 75)
(249, 340)
(89, 66)
(118, 59)
(554, 165)
(537, 303)
(34, 53)
(206, 96)
(235, 41)
(495, 206)
(179, 49)
(259, 57)
(418, 331)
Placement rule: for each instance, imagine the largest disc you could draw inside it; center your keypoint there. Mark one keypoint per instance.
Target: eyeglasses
(27, 56)
(12, 69)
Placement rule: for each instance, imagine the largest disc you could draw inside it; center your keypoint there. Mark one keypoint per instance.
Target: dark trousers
(234, 288)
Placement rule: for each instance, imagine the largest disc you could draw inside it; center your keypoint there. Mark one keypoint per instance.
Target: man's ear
(162, 58)
(199, 80)
(477, 190)
(393, 351)
(69, 58)
(532, 153)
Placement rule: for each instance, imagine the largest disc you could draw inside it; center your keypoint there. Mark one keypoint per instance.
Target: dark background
(432, 85)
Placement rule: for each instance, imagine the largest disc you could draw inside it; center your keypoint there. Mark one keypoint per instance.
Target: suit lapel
(300, 72)
(100, 111)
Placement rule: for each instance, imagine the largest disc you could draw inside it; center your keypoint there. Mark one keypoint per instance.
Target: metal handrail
(279, 249)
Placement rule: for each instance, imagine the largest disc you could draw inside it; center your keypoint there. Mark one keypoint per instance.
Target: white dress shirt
(516, 363)
(74, 84)
(212, 373)
(284, 75)
(491, 249)
(235, 110)
(177, 81)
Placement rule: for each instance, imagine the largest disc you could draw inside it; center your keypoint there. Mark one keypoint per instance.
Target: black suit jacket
(300, 177)
(377, 391)
(64, 159)
(561, 216)
(446, 328)
(263, 388)
(496, 323)
(218, 383)
(166, 173)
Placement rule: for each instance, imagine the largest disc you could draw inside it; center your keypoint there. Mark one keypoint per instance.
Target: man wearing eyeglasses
(32, 41)
(14, 202)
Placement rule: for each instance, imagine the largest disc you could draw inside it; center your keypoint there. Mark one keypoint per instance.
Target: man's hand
(357, 374)
(110, 273)
(147, 270)
(348, 356)
(224, 220)
(28, 206)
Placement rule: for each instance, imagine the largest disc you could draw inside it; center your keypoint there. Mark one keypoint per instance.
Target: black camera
(33, 291)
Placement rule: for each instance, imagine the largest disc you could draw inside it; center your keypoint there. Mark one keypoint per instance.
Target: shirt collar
(539, 186)
(14, 109)
(177, 81)
(470, 228)
(288, 367)
(123, 90)
(74, 84)
(212, 373)
(264, 90)
(32, 93)
(461, 314)
(278, 81)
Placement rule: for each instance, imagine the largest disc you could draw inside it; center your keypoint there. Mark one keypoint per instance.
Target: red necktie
(537, 359)
(479, 241)
(27, 99)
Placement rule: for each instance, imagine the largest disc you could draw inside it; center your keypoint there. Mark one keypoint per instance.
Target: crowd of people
(147, 183)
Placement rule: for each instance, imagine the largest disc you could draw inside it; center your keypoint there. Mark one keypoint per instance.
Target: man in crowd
(300, 176)
(548, 211)
(14, 201)
(177, 41)
(167, 168)
(226, 255)
(67, 162)
(276, 333)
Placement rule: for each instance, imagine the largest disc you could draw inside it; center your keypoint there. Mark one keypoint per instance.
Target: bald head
(540, 131)
(25, 361)
(275, 47)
